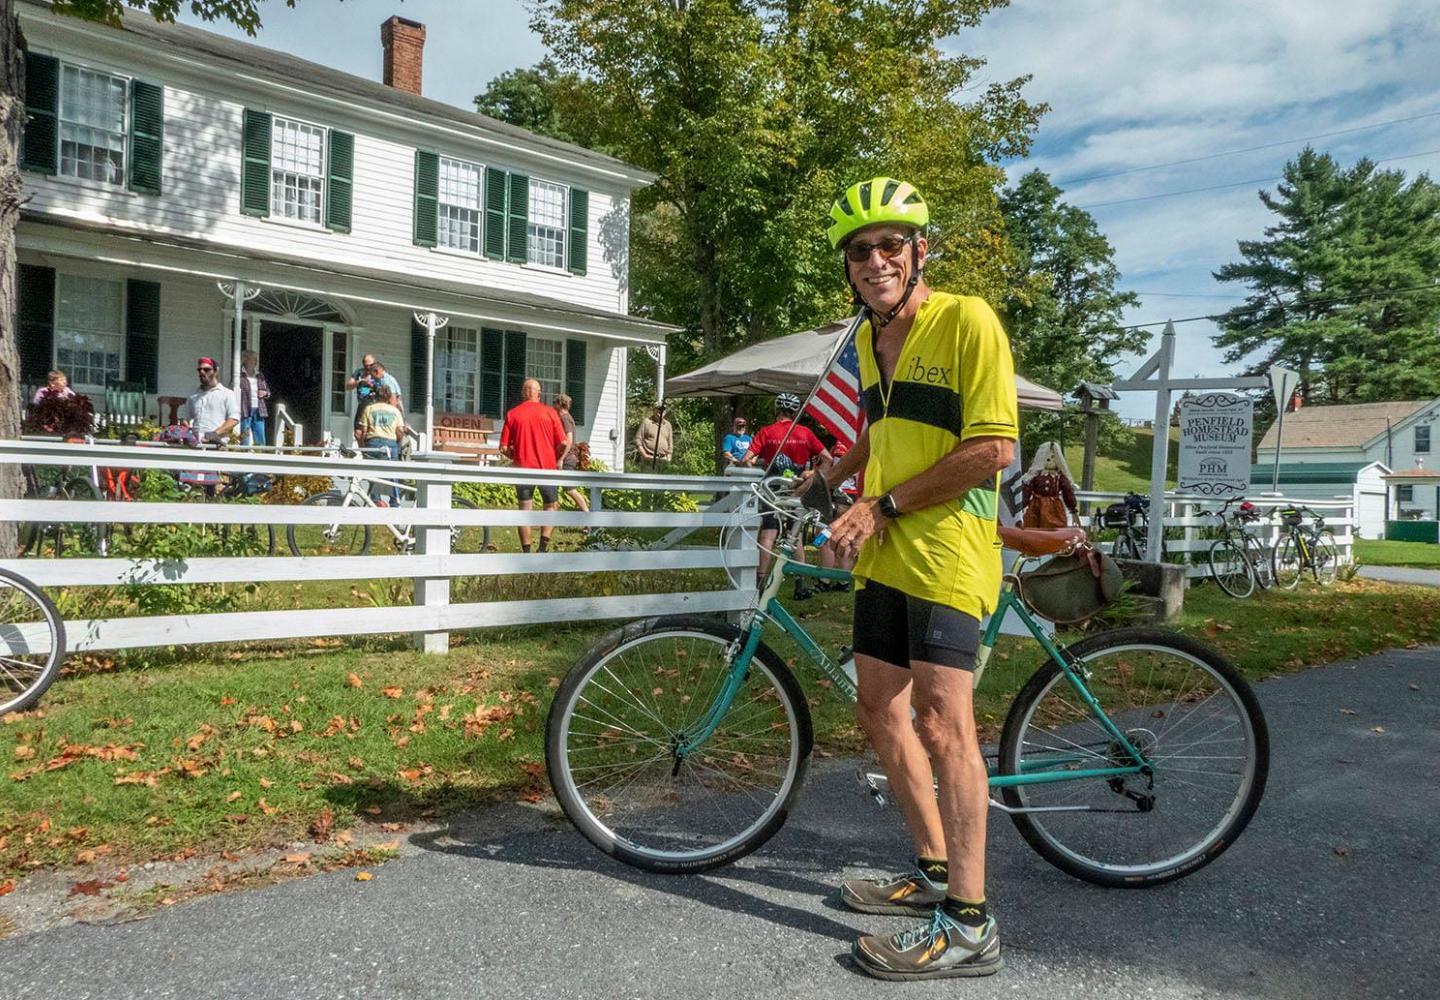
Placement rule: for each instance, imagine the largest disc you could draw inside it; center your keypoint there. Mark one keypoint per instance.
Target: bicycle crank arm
(878, 786)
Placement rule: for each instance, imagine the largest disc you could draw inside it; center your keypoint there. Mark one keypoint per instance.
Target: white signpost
(1283, 383)
(1154, 376)
(1215, 432)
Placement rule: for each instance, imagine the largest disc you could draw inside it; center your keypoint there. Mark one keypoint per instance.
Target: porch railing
(432, 566)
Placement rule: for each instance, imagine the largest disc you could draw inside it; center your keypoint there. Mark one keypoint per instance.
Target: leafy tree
(1064, 318)
(525, 97)
(1343, 285)
(753, 115)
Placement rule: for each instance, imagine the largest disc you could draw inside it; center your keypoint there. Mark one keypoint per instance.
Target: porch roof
(206, 259)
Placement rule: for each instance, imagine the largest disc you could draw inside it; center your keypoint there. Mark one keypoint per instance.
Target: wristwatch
(887, 506)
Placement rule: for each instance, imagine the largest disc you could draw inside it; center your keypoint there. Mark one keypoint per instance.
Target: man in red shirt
(801, 451)
(534, 438)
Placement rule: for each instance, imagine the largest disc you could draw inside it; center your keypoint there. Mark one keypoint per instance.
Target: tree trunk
(12, 118)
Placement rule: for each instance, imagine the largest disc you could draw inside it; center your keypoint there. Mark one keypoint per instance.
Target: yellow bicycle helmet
(878, 200)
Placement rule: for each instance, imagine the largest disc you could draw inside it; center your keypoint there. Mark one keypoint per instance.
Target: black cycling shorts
(895, 628)
(548, 494)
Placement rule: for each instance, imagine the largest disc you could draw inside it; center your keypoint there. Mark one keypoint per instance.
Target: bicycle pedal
(875, 785)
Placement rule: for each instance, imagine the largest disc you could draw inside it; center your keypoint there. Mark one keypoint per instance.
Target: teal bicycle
(1129, 758)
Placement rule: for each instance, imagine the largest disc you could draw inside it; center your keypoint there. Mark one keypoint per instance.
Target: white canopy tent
(794, 364)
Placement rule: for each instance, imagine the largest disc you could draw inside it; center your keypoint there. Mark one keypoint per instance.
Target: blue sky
(1133, 85)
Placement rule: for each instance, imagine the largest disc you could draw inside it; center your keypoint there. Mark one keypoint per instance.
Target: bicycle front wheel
(614, 738)
(337, 539)
(1326, 554)
(32, 643)
(1191, 716)
(1231, 569)
(1287, 563)
(1259, 563)
(469, 538)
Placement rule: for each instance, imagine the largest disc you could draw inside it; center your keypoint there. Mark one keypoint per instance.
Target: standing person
(364, 386)
(803, 450)
(938, 385)
(534, 438)
(654, 439)
(254, 391)
(380, 376)
(380, 432)
(737, 443)
(57, 386)
(570, 461)
(213, 409)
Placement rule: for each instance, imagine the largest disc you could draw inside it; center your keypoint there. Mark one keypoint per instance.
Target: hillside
(1128, 469)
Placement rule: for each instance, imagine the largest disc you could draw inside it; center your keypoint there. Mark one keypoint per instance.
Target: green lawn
(1377, 552)
(223, 748)
(1126, 469)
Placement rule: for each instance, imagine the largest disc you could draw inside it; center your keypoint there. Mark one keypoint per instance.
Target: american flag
(836, 403)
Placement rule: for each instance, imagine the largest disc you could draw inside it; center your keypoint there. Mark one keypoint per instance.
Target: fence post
(432, 540)
(1188, 512)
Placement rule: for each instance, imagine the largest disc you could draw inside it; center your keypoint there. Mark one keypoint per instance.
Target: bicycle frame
(771, 610)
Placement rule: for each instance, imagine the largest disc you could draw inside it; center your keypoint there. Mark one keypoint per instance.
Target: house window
(339, 372)
(89, 320)
(297, 170)
(457, 369)
(460, 215)
(1422, 440)
(547, 224)
(92, 125)
(1405, 494)
(545, 360)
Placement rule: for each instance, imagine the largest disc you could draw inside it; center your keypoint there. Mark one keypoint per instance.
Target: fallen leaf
(299, 858)
(392, 692)
(77, 833)
(337, 723)
(237, 818)
(85, 857)
(389, 845)
(226, 700)
(1341, 852)
(374, 810)
(321, 825)
(267, 808)
(1413, 687)
(91, 887)
(363, 876)
(553, 682)
(505, 734)
(1347, 711)
(232, 796)
(24, 753)
(1377, 729)
(392, 827)
(354, 680)
(7, 887)
(344, 837)
(266, 782)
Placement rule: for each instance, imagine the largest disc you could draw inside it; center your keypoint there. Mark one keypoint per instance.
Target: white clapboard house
(168, 168)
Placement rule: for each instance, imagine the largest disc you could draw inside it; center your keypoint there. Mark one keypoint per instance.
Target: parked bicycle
(678, 744)
(63, 482)
(1304, 547)
(1131, 518)
(32, 643)
(345, 538)
(1238, 560)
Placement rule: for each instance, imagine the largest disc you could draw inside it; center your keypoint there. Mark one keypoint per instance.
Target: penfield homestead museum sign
(1215, 432)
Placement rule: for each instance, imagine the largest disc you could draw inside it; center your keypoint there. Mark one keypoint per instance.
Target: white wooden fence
(1187, 513)
(432, 565)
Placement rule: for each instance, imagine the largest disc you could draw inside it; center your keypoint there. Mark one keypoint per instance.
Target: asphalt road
(1402, 574)
(1330, 893)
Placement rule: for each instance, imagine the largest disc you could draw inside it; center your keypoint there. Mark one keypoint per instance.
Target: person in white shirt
(213, 409)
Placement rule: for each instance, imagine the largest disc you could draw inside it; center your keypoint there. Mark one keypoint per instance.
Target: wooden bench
(467, 435)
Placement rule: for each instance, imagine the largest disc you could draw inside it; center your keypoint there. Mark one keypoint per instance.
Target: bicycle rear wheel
(1286, 563)
(336, 539)
(32, 643)
(1327, 559)
(1124, 546)
(1259, 562)
(1231, 569)
(1188, 712)
(625, 708)
(469, 538)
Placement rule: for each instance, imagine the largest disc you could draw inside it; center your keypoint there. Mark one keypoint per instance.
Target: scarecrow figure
(1047, 491)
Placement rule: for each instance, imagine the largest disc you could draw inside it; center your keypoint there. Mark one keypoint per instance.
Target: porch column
(239, 293)
(431, 322)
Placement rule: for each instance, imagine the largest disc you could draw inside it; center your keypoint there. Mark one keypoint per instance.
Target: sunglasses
(202, 370)
(858, 253)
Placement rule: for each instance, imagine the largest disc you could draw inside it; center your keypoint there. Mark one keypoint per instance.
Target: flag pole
(850, 332)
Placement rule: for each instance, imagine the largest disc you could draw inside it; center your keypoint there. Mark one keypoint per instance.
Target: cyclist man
(801, 450)
(938, 386)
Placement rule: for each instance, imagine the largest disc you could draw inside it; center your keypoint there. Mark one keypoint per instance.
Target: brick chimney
(404, 43)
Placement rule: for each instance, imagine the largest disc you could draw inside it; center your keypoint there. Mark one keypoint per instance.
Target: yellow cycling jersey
(955, 380)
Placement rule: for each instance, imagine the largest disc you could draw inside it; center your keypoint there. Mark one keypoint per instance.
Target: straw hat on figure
(1046, 490)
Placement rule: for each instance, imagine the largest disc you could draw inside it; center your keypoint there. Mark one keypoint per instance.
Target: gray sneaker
(911, 895)
(939, 950)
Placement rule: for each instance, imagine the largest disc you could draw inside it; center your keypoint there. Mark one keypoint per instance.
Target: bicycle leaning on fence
(1238, 560)
(1131, 518)
(344, 538)
(1304, 547)
(1129, 758)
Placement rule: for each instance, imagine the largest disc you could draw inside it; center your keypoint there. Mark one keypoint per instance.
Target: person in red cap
(213, 409)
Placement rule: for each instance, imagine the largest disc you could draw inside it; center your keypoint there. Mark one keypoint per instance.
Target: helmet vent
(865, 196)
(891, 186)
(914, 198)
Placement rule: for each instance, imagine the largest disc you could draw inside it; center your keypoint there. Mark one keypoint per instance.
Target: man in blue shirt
(737, 442)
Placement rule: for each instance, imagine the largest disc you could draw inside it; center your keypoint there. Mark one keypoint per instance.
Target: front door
(292, 357)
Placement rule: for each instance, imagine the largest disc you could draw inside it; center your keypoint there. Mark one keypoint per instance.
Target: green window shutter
(35, 326)
(255, 168)
(514, 366)
(339, 180)
(419, 364)
(575, 378)
(147, 137)
(577, 248)
(427, 198)
(40, 145)
(517, 239)
(492, 372)
(142, 333)
(495, 188)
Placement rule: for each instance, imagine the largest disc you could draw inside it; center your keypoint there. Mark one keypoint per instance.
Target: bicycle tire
(1124, 546)
(684, 792)
(333, 540)
(22, 682)
(1104, 853)
(1325, 561)
(1260, 564)
(1286, 563)
(468, 538)
(1230, 568)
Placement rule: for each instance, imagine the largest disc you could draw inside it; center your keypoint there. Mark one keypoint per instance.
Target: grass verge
(1378, 552)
